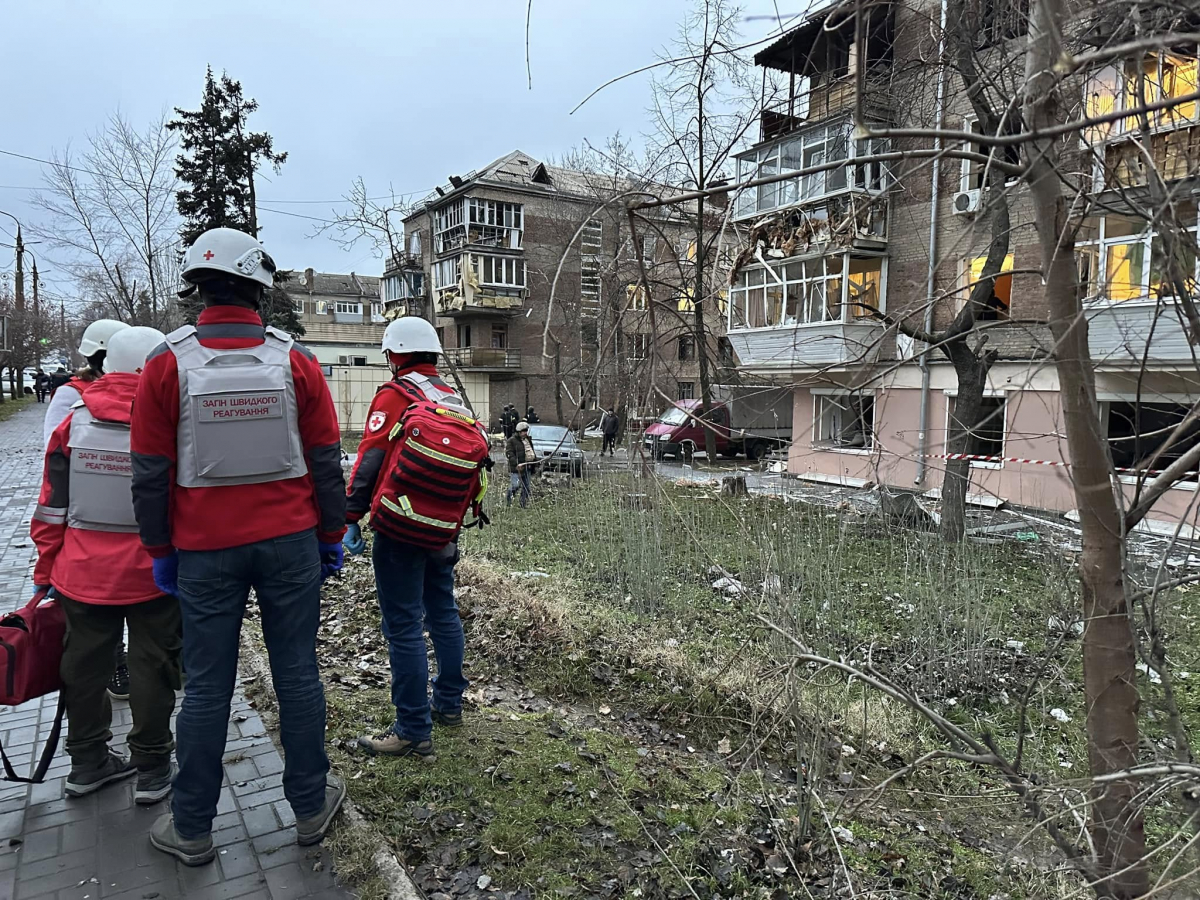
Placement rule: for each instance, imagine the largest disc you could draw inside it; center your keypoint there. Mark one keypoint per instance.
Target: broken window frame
(1095, 257)
(449, 226)
(972, 271)
(810, 280)
(447, 273)
(802, 149)
(687, 348)
(1114, 86)
(499, 336)
(495, 223)
(837, 410)
(1181, 403)
(984, 432)
(971, 171)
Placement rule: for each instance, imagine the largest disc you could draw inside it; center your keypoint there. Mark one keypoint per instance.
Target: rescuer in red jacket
(88, 550)
(237, 483)
(415, 585)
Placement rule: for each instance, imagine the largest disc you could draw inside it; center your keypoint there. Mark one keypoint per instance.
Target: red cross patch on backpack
(440, 458)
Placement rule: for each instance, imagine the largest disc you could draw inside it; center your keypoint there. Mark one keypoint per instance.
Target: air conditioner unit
(343, 360)
(966, 202)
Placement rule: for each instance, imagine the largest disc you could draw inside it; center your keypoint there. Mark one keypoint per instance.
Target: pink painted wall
(1033, 430)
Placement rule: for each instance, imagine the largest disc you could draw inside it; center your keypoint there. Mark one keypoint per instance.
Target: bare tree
(702, 110)
(376, 219)
(112, 214)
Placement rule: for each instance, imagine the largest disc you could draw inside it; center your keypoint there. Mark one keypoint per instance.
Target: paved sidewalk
(52, 848)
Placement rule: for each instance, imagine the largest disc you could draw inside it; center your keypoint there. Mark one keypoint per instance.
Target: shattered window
(1120, 258)
(1140, 435)
(987, 437)
(845, 421)
(1001, 288)
(864, 287)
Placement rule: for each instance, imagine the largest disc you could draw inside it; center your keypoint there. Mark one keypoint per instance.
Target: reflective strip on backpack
(443, 457)
(483, 483)
(462, 417)
(404, 508)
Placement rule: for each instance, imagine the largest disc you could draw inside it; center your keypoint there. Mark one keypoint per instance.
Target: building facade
(823, 254)
(342, 316)
(535, 286)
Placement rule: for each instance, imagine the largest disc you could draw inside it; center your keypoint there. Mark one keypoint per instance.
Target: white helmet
(231, 252)
(411, 334)
(96, 336)
(128, 349)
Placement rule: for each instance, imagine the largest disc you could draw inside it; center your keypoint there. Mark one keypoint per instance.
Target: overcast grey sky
(402, 92)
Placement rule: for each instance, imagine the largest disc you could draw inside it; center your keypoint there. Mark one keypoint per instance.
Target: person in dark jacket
(532, 418)
(41, 385)
(522, 459)
(508, 420)
(610, 426)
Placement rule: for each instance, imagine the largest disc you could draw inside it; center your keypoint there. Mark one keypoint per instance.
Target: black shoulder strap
(39, 774)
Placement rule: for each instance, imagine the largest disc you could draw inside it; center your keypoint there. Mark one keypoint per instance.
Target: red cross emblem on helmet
(208, 254)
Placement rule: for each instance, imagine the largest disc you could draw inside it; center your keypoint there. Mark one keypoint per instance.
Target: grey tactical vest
(101, 496)
(238, 420)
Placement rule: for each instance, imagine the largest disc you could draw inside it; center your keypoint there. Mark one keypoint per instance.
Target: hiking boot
(154, 784)
(164, 837)
(447, 719)
(311, 830)
(118, 687)
(85, 780)
(391, 744)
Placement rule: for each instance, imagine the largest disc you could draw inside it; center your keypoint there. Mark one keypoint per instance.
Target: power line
(48, 162)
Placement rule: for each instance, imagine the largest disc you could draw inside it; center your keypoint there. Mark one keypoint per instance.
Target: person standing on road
(532, 418)
(41, 385)
(522, 459)
(610, 427)
(237, 484)
(89, 552)
(508, 420)
(422, 465)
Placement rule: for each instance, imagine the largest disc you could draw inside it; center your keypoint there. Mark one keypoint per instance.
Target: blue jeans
(416, 591)
(214, 585)
(518, 481)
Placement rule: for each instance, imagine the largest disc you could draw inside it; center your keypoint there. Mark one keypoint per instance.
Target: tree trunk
(1109, 653)
(971, 371)
(698, 337)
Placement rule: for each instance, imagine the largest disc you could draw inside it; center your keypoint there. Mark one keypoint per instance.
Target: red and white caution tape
(975, 457)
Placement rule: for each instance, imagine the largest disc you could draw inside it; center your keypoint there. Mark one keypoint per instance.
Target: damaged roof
(329, 284)
(805, 49)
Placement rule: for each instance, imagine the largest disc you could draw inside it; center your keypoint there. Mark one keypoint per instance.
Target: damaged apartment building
(821, 255)
(484, 250)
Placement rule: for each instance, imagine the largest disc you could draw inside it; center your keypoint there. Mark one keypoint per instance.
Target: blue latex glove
(354, 542)
(331, 559)
(39, 592)
(166, 573)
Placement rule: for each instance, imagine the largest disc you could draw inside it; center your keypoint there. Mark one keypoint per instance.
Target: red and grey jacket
(375, 452)
(89, 562)
(171, 516)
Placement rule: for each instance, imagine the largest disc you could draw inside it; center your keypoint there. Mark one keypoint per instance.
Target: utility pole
(16, 355)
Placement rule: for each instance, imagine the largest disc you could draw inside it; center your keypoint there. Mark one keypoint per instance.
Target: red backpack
(440, 459)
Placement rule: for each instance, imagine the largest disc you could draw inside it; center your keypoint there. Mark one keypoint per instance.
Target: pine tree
(217, 164)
